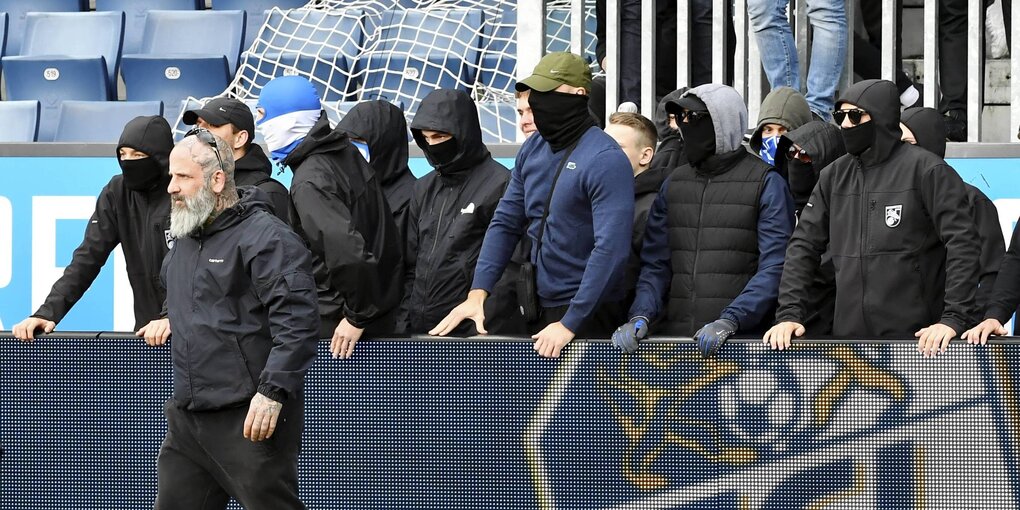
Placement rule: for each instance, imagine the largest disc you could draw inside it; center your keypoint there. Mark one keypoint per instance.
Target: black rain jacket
(382, 125)
(821, 141)
(139, 221)
(254, 169)
(340, 211)
(449, 213)
(896, 222)
(241, 299)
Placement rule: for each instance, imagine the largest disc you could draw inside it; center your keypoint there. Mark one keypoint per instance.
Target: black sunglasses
(204, 135)
(855, 115)
(691, 116)
(793, 153)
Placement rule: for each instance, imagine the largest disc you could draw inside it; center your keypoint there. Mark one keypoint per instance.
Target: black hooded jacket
(896, 222)
(241, 298)
(381, 124)
(647, 185)
(254, 169)
(670, 153)
(929, 128)
(449, 213)
(823, 143)
(139, 221)
(340, 211)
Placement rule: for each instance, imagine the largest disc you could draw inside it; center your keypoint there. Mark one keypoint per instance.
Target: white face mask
(288, 128)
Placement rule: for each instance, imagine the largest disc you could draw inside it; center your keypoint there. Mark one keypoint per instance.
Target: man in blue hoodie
(572, 193)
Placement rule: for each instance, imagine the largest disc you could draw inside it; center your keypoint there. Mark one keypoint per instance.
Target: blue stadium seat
(65, 56)
(18, 9)
(135, 12)
(499, 56)
(184, 53)
(498, 121)
(322, 44)
(419, 51)
(21, 121)
(99, 121)
(257, 11)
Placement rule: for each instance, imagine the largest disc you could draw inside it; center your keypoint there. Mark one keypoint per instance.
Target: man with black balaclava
(670, 152)
(572, 193)
(716, 234)
(338, 208)
(449, 213)
(133, 211)
(380, 130)
(894, 218)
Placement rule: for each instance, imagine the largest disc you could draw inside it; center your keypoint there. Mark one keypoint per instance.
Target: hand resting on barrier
(979, 334)
(156, 332)
(779, 336)
(25, 330)
(472, 308)
(934, 339)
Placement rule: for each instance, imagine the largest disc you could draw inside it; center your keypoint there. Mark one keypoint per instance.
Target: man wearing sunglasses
(716, 234)
(895, 219)
(242, 301)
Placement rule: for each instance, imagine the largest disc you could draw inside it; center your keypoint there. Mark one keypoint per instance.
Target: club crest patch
(169, 238)
(893, 213)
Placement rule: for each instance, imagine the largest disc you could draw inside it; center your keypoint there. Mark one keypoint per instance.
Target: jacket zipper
(865, 217)
(697, 250)
(432, 252)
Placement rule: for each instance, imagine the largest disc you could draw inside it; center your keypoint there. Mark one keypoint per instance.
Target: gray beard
(187, 218)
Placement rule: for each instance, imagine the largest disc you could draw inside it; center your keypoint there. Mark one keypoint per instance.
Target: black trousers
(867, 50)
(953, 54)
(602, 323)
(205, 460)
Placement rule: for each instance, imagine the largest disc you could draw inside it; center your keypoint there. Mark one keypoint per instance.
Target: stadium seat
(99, 121)
(419, 51)
(65, 56)
(17, 10)
(20, 121)
(499, 56)
(320, 44)
(498, 121)
(557, 32)
(135, 11)
(184, 53)
(257, 11)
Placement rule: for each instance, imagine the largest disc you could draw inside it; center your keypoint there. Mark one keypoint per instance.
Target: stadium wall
(485, 423)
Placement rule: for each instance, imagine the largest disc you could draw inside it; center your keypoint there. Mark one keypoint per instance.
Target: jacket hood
(650, 181)
(320, 139)
(382, 125)
(151, 135)
(784, 106)
(250, 201)
(254, 160)
(661, 119)
(451, 111)
(929, 128)
(882, 101)
(729, 114)
(821, 140)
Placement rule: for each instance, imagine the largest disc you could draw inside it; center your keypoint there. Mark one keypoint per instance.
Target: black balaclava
(859, 138)
(699, 139)
(873, 141)
(453, 112)
(929, 128)
(560, 118)
(443, 153)
(151, 135)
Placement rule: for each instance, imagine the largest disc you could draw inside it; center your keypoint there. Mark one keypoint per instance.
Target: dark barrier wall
(419, 423)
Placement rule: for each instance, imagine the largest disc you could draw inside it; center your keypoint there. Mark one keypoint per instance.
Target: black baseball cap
(687, 102)
(224, 110)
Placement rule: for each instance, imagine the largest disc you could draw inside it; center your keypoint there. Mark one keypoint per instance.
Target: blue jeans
(779, 55)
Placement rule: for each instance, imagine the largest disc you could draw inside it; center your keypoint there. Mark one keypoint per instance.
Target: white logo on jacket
(169, 238)
(216, 261)
(893, 213)
(470, 209)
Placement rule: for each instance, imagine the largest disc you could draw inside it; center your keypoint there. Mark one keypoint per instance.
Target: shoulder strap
(548, 202)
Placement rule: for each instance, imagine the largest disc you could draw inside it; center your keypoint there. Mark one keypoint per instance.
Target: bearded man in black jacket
(133, 210)
(895, 219)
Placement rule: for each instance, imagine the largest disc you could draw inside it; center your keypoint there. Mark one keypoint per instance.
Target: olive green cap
(557, 69)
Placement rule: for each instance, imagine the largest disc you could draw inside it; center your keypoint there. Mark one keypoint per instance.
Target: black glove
(626, 337)
(711, 336)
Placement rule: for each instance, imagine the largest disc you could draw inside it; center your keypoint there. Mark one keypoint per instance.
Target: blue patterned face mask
(768, 149)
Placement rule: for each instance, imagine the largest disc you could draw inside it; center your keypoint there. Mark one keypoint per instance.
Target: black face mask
(141, 174)
(442, 153)
(699, 139)
(560, 118)
(801, 176)
(858, 138)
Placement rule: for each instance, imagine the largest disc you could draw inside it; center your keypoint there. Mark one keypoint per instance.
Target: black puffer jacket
(241, 298)
(340, 211)
(449, 214)
(139, 221)
(381, 124)
(254, 169)
(896, 222)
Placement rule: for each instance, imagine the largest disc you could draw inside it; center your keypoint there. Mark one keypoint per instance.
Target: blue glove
(626, 337)
(711, 336)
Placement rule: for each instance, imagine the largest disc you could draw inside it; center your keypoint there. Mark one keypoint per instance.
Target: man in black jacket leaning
(242, 301)
(133, 210)
(232, 121)
(895, 219)
(449, 213)
(340, 211)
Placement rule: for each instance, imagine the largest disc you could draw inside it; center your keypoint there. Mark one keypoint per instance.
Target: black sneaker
(956, 125)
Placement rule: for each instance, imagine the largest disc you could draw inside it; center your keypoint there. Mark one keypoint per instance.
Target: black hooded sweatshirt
(823, 143)
(448, 215)
(383, 127)
(929, 128)
(896, 222)
(254, 169)
(670, 153)
(340, 211)
(139, 221)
